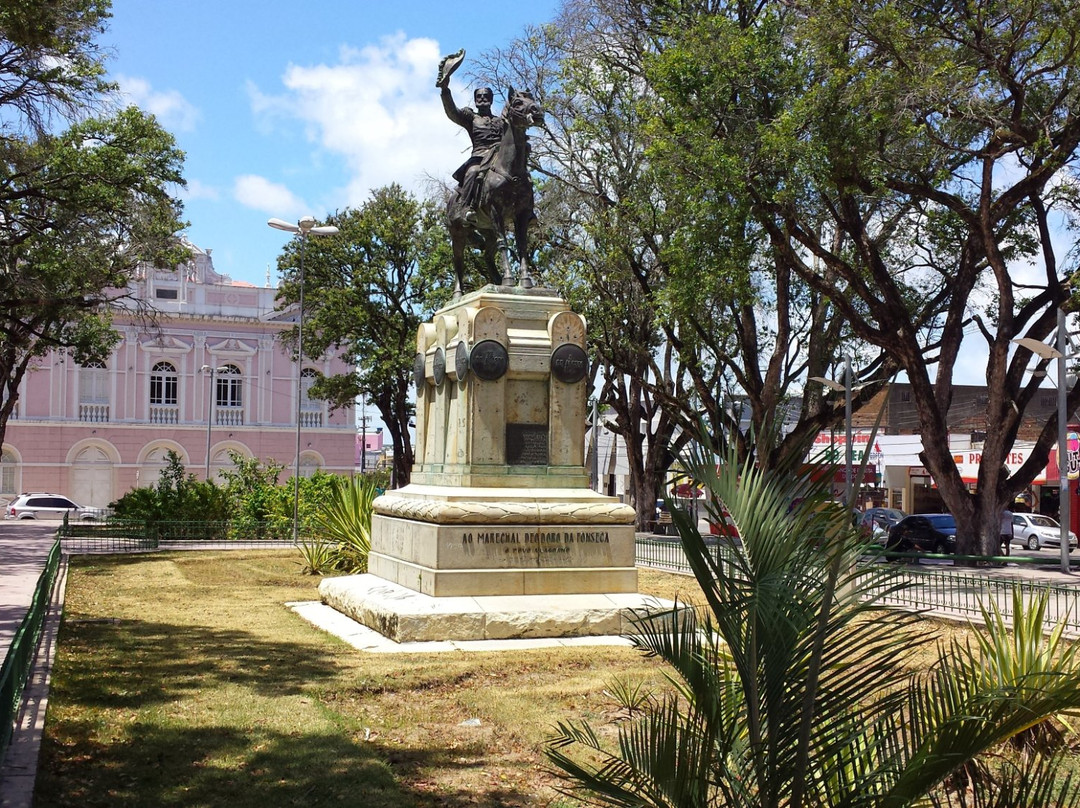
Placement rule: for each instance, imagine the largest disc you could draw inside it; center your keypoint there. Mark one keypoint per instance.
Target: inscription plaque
(569, 363)
(526, 444)
(418, 370)
(461, 360)
(489, 360)
(438, 366)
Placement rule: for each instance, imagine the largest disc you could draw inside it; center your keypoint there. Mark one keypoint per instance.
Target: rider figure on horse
(485, 131)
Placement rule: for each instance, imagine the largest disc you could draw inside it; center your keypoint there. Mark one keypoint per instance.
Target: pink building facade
(369, 450)
(205, 368)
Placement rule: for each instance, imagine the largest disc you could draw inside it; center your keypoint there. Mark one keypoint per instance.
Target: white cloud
(377, 110)
(171, 109)
(260, 193)
(200, 190)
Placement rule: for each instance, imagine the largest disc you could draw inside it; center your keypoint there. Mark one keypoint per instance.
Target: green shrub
(259, 507)
(176, 497)
(317, 492)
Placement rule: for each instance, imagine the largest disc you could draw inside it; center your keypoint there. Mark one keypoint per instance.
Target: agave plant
(317, 556)
(346, 521)
(790, 689)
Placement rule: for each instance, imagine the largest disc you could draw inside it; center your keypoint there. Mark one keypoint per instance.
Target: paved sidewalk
(23, 551)
(18, 769)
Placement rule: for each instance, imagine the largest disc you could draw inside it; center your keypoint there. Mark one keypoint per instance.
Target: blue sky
(288, 109)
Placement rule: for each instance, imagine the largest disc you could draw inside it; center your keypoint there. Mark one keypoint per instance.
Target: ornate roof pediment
(166, 344)
(230, 347)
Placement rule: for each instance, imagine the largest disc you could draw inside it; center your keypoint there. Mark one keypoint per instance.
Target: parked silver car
(1034, 531)
(878, 521)
(47, 506)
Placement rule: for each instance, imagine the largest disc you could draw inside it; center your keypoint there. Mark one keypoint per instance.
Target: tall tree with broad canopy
(912, 164)
(690, 309)
(51, 66)
(80, 209)
(367, 290)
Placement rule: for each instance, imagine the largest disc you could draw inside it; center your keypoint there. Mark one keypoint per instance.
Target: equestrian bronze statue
(494, 188)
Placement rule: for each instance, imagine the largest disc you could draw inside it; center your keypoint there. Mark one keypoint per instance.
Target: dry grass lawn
(182, 679)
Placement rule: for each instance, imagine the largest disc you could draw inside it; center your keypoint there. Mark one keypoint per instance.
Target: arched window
(309, 464)
(163, 384)
(229, 396)
(8, 468)
(311, 409)
(91, 477)
(149, 471)
(163, 407)
(93, 392)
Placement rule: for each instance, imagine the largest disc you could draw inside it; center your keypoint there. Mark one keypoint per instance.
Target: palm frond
(790, 686)
(980, 695)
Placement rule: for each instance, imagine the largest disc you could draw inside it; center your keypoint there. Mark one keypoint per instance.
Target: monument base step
(404, 615)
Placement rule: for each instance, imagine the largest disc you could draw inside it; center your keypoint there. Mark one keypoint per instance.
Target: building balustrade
(228, 416)
(311, 419)
(164, 414)
(95, 413)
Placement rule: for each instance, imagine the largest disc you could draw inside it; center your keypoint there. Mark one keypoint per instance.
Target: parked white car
(48, 506)
(1035, 531)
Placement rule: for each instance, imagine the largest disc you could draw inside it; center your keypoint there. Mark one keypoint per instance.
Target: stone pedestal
(498, 518)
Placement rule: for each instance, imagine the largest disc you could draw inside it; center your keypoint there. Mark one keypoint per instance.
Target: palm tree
(791, 689)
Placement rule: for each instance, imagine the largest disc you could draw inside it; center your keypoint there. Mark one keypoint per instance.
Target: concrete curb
(19, 769)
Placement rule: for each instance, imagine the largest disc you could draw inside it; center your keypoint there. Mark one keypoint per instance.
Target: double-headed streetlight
(1044, 351)
(846, 387)
(304, 228)
(210, 410)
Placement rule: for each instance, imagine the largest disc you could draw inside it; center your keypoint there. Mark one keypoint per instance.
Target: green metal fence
(958, 594)
(936, 590)
(19, 661)
(111, 537)
(669, 555)
(127, 536)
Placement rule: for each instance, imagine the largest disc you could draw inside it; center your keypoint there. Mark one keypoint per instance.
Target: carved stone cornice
(508, 511)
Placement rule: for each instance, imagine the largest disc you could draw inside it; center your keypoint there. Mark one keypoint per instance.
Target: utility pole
(363, 435)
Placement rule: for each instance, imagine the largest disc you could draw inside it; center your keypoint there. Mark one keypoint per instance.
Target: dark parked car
(923, 533)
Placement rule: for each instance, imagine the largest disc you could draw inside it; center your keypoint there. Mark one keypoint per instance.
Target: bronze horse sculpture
(506, 198)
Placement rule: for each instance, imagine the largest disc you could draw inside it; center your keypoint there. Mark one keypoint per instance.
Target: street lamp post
(1044, 351)
(1063, 440)
(304, 228)
(846, 388)
(847, 420)
(594, 438)
(210, 411)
